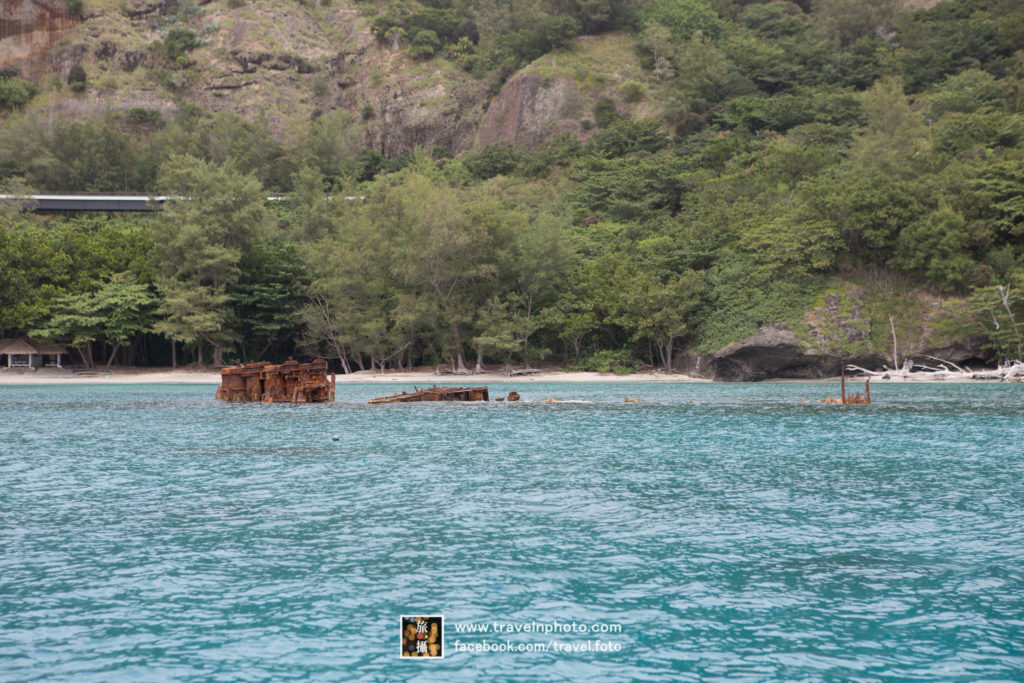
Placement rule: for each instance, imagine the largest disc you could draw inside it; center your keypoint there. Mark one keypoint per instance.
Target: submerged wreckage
(436, 393)
(294, 382)
(290, 382)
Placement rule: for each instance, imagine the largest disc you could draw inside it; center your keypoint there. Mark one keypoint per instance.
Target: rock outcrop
(29, 29)
(774, 352)
(530, 109)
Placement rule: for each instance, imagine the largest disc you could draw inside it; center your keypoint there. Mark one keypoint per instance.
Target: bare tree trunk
(895, 354)
(460, 359)
(479, 359)
(577, 341)
(342, 356)
(113, 354)
(174, 354)
(1004, 297)
(199, 352)
(526, 338)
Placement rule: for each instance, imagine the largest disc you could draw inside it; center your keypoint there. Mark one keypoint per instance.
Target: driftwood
(1012, 371)
(443, 370)
(519, 373)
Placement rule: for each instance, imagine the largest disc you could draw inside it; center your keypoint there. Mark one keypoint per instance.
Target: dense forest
(789, 151)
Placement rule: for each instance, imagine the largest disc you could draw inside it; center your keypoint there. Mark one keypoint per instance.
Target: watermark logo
(422, 636)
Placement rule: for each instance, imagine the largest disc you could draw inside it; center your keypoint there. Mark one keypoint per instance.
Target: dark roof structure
(23, 346)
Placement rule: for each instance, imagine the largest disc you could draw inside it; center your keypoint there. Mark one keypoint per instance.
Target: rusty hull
(290, 382)
(436, 393)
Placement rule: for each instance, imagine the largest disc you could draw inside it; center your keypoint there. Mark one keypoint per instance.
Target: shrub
(77, 78)
(605, 113)
(632, 91)
(425, 44)
(15, 92)
(620, 362)
(498, 159)
(179, 41)
(140, 116)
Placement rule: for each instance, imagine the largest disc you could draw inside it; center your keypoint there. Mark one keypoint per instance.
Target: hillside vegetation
(598, 183)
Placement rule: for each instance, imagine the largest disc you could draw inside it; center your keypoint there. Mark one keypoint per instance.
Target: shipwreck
(290, 382)
(855, 400)
(436, 393)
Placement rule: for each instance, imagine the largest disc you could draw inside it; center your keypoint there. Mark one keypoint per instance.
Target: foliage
(217, 222)
(632, 91)
(117, 310)
(179, 41)
(620, 361)
(15, 92)
(683, 18)
(605, 113)
(998, 311)
(754, 152)
(499, 158)
(424, 44)
(77, 78)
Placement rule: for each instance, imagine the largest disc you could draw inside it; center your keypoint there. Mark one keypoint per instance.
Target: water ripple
(734, 532)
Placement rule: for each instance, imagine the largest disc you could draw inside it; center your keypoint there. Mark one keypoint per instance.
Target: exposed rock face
(966, 350)
(29, 28)
(841, 319)
(402, 112)
(530, 109)
(775, 352)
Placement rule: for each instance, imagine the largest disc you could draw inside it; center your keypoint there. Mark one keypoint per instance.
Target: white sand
(425, 377)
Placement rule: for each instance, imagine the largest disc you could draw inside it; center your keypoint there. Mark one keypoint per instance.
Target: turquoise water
(731, 532)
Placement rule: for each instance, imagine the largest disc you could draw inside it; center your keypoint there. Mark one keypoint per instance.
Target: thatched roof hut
(22, 352)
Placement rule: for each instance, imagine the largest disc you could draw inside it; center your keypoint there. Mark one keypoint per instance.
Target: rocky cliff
(842, 329)
(290, 63)
(29, 29)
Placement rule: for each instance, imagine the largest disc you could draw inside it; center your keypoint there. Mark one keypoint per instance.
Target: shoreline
(425, 377)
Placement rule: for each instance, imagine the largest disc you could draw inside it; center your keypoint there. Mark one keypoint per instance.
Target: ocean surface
(713, 532)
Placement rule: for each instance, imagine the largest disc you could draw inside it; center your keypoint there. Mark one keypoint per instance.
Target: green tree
(268, 297)
(656, 309)
(683, 18)
(844, 21)
(216, 216)
(497, 333)
(999, 309)
(934, 248)
(15, 92)
(117, 311)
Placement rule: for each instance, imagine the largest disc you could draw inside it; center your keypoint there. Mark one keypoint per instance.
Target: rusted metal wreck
(855, 400)
(436, 393)
(290, 382)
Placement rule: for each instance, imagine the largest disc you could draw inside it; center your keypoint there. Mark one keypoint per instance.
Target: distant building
(26, 353)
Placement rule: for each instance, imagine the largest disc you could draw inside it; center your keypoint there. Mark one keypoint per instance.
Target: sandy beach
(421, 377)
(426, 377)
